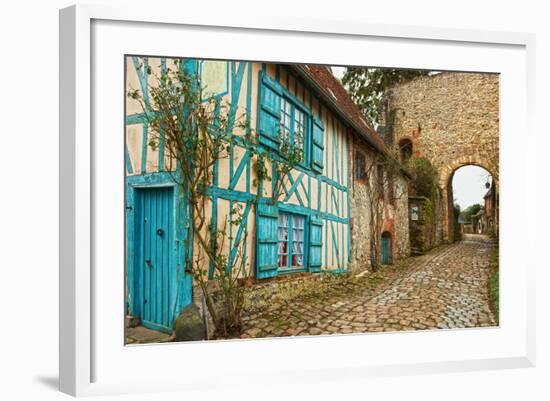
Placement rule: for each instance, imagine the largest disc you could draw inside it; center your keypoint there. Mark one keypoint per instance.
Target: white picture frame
(91, 361)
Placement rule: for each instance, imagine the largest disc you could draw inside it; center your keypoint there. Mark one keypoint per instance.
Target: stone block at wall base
(189, 325)
(132, 321)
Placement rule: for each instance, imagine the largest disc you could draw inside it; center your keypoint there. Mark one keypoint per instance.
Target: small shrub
(425, 177)
(494, 295)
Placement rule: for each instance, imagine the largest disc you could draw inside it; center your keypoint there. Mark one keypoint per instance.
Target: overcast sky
(338, 72)
(469, 185)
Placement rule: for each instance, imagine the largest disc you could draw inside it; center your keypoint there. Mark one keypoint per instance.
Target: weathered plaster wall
(325, 194)
(453, 120)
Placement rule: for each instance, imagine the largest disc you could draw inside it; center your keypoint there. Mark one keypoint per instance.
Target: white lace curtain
(283, 230)
(297, 240)
(282, 249)
(296, 224)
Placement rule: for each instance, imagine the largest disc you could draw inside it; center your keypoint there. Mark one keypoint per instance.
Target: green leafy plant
(291, 156)
(456, 215)
(260, 170)
(494, 289)
(368, 87)
(470, 211)
(197, 133)
(283, 162)
(425, 181)
(381, 190)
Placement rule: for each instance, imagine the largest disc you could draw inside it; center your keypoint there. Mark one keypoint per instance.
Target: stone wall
(261, 295)
(395, 215)
(401, 224)
(422, 227)
(452, 119)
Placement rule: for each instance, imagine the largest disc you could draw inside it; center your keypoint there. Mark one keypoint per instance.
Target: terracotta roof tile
(333, 89)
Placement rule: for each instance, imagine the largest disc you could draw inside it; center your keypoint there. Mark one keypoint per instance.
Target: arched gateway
(446, 175)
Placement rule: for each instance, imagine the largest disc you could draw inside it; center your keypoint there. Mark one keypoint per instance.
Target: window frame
(363, 177)
(295, 103)
(405, 146)
(305, 240)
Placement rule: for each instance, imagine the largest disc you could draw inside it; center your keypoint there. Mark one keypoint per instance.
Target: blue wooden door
(155, 270)
(386, 250)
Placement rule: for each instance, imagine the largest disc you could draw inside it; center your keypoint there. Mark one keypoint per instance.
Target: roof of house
(336, 95)
(479, 213)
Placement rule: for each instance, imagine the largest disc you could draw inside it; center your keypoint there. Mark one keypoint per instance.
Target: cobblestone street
(445, 288)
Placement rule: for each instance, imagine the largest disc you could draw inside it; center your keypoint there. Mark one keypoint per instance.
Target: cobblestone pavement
(445, 288)
(143, 335)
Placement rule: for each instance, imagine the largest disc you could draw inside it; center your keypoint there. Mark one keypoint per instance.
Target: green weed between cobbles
(494, 286)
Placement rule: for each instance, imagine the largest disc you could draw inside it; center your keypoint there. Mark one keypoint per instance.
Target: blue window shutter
(317, 146)
(267, 221)
(269, 111)
(315, 243)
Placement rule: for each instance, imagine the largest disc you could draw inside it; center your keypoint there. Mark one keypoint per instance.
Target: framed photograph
(290, 200)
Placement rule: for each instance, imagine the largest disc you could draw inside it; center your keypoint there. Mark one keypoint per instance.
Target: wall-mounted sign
(414, 213)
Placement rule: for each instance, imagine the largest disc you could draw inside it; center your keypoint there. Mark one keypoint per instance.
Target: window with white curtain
(293, 124)
(286, 121)
(290, 250)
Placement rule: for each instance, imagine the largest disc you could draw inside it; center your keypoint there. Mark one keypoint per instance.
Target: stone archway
(452, 119)
(446, 174)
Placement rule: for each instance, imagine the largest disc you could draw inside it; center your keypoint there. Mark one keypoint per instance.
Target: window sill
(288, 270)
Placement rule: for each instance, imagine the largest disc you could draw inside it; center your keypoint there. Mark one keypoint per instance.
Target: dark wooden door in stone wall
(154, 265)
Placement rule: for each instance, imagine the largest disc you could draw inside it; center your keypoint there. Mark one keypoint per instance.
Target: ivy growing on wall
(425, 181)
(196, 134)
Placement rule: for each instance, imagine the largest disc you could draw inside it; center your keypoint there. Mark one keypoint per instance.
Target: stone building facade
(289, 225)
(452, 119)
(393, 228)
(300, 224)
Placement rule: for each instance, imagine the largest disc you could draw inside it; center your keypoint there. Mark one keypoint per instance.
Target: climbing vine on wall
(196, 134)
(425, 184)
(380, 189)
(367, 87)
(282, 164)
(425, 178)
(429, 211)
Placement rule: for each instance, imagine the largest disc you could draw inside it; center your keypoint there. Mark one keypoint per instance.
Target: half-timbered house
(307, 230)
